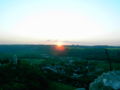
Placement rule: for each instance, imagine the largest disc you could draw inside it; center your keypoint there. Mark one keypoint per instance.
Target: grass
(33, 61)
(100, 64)
(105, 65)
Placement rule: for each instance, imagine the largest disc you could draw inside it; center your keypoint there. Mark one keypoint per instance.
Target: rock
(80, 89)
(49, 68)
(107, 81)
(76, 76)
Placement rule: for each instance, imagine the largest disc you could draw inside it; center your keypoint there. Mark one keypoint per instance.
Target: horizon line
(64, 45)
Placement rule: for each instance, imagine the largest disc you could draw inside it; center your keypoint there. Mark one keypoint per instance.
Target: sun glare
(59, 46)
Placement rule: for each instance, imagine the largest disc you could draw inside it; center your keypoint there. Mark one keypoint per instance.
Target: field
(74, 67)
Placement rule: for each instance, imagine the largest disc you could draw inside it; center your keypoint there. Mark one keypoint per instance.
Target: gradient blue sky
(90, 22)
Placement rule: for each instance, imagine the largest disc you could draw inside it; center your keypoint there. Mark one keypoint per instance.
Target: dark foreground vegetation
(21, 77)
(42, 67)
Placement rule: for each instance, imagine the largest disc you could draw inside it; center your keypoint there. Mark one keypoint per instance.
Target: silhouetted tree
(109, 60)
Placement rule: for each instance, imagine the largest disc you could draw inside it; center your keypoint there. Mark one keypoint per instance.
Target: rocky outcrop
(107, 81)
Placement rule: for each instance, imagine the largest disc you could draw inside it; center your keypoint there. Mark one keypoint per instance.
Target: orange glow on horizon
(59, 46)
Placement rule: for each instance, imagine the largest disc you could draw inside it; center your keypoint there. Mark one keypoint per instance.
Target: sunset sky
(84, 22)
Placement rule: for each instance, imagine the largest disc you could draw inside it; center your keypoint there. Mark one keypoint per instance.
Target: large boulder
(107, 81)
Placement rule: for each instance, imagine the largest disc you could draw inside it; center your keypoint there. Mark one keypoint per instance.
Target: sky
(83, 22)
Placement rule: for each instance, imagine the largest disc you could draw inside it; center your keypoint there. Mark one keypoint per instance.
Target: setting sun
(59, 44)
